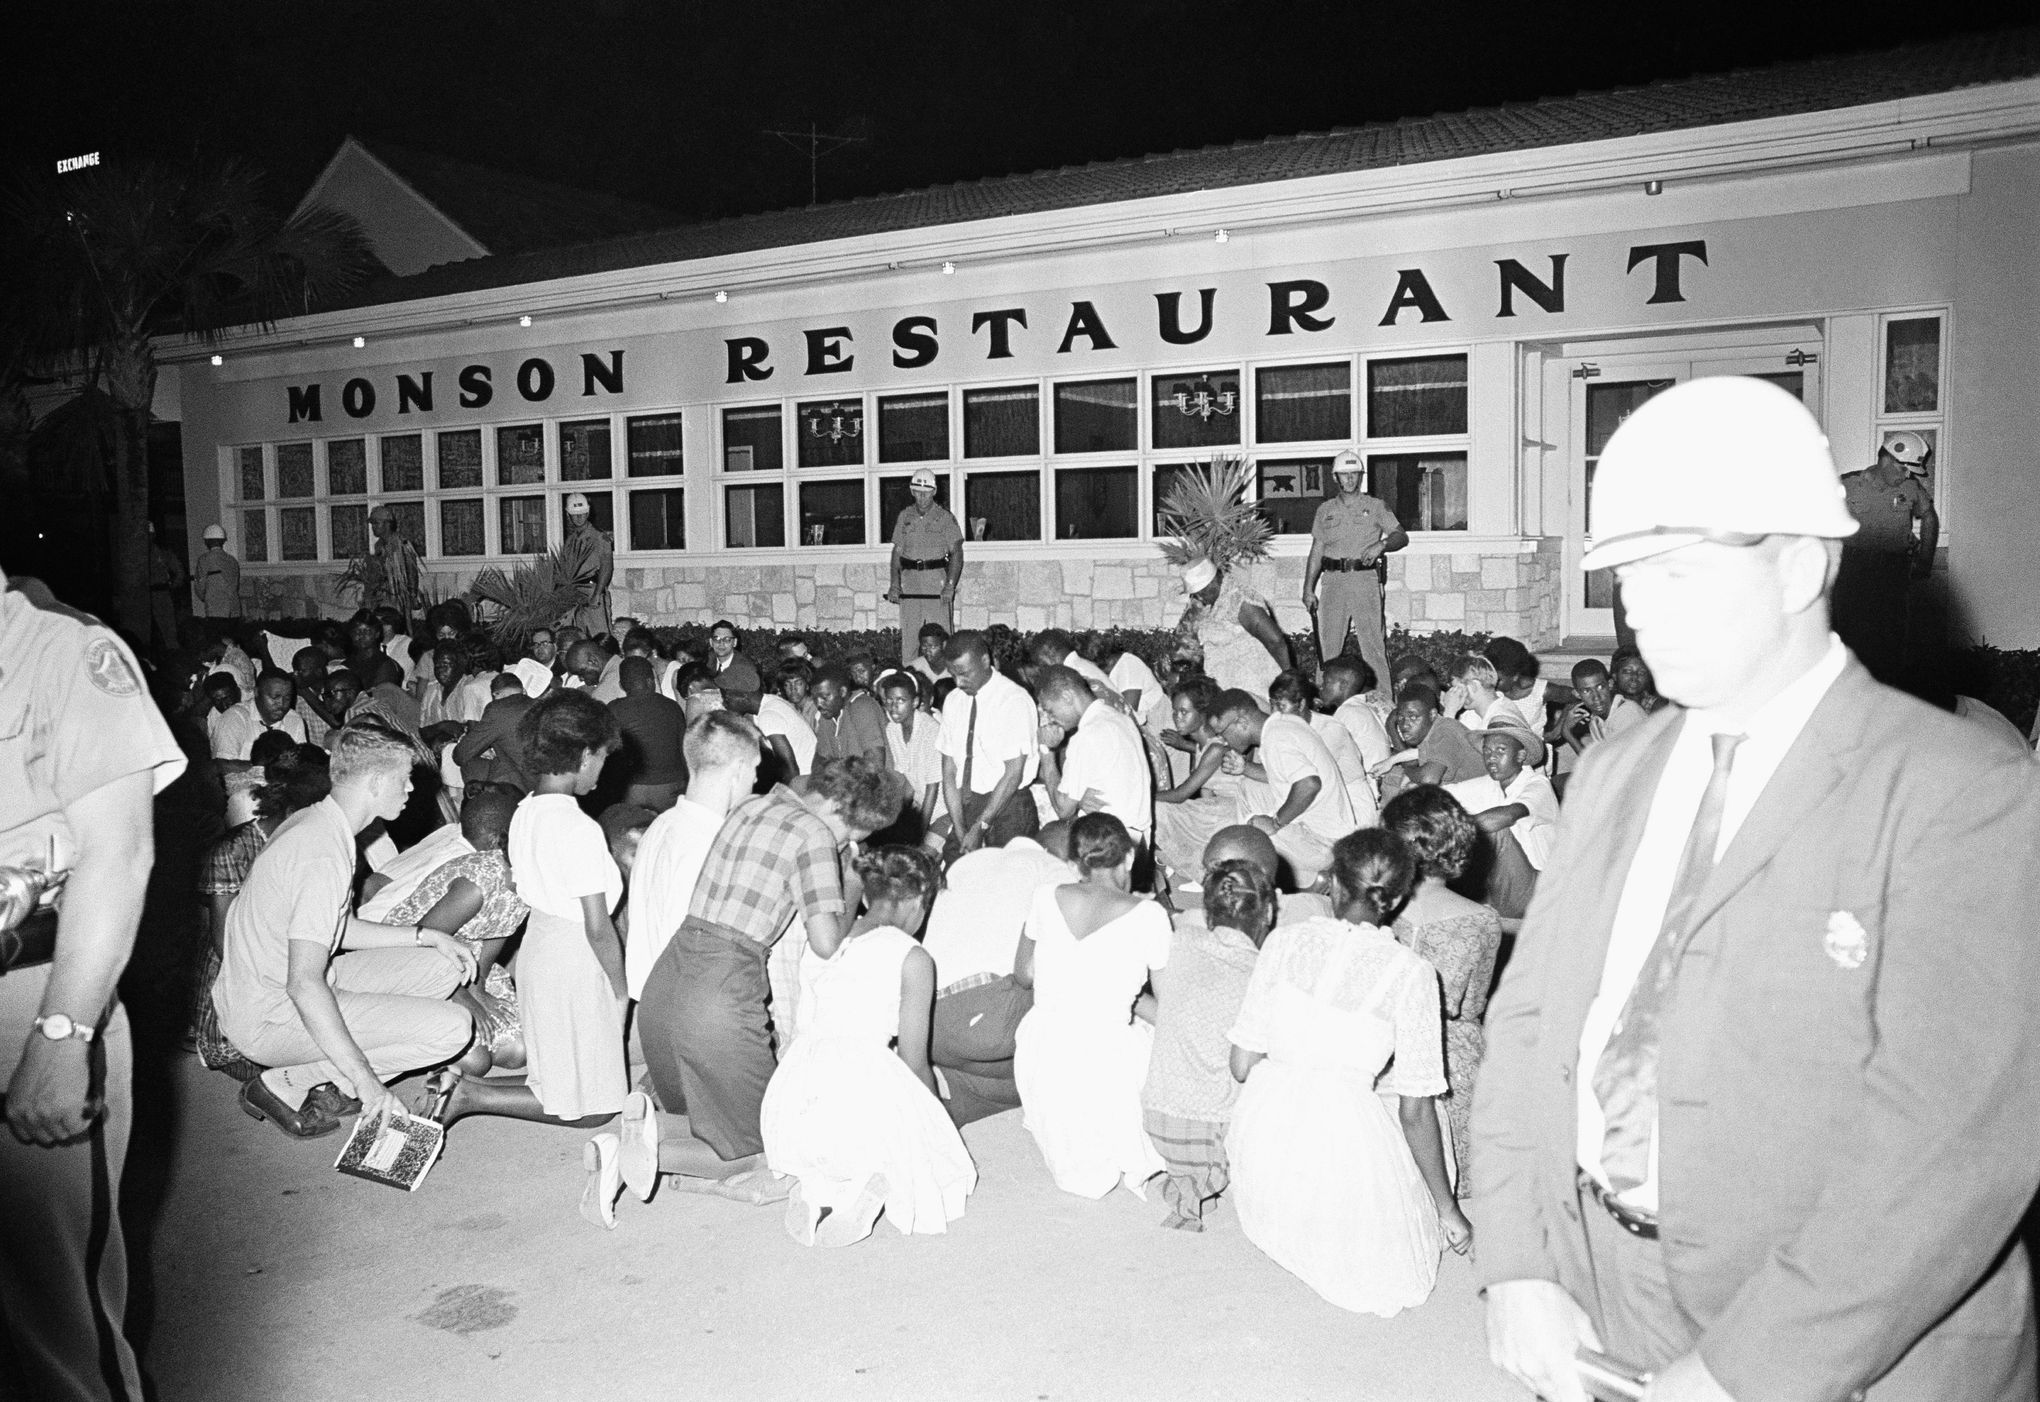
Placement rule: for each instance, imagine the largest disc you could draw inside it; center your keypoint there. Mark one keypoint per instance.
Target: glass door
(1608, 389)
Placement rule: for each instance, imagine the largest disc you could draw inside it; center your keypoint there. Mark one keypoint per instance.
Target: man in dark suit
(490, 752)
(1760, 1108)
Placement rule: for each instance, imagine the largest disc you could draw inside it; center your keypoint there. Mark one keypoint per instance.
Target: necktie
(1625, 1078)
(969, 751)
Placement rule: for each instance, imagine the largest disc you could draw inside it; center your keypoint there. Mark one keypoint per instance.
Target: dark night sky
(666, 100)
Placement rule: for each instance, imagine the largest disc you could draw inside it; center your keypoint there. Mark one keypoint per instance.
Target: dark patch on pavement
(483, 1222)
(469, 1309)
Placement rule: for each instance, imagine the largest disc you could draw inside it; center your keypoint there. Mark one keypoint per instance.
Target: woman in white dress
(858, 1124)
(570, 986)
(1241, 643)
(1080, 1057)
(1338, 1187)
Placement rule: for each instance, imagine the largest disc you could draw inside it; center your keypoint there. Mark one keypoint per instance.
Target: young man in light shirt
(1104, 768)
(1293, 791)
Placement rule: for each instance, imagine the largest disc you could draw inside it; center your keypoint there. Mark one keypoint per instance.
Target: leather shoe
(327, 1097)
(262, 1103)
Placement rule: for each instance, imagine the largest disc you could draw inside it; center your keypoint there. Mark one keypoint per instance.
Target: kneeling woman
(570, 987)
(1337, 1187)
(858, 1124)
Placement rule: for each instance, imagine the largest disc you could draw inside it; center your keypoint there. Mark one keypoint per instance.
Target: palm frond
(1209, 514)
(537, 593)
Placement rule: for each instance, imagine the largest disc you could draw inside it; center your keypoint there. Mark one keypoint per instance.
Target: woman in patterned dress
(1241, 643)
(1460, 938)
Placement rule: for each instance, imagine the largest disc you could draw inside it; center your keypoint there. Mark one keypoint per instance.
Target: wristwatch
(58, 1027)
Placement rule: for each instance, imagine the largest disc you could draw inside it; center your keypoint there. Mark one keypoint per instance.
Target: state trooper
(1894, 507)
(83, 752)
(1348, 538)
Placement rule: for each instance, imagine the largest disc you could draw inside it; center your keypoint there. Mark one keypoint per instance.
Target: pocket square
(1847, 942)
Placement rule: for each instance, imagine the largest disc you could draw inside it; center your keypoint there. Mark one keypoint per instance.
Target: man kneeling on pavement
(335, 1005)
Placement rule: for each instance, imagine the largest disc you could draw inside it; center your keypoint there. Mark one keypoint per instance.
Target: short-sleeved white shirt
(1536, 830)
(558, 855)
(1129, 673)
(1291, 751)
(1008, 728)
(1363, 723)
(235, 730)
(1352, 768)
(1106, 753)
(779, 716)
(662, 881)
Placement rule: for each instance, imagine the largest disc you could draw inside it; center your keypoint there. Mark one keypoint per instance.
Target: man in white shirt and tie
(990, 741)
(1760, 1109)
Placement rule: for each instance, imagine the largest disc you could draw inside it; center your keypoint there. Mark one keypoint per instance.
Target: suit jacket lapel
(1804, 779)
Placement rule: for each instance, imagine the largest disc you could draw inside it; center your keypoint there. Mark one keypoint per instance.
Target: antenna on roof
(818, 144)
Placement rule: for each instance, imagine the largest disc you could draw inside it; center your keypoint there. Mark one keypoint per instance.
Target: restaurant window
(1096, 416)
(348, 527)
(913, 428)
(460, 528)
(754, 516)
(522, 520)
(1002, 506)
(831, 433)
(403, 463)
(658, 519)
(751, 440)
(584, 450)
(347, 468)
(1097, 503)
(654, 443)
(293, 470)
(895, 495)
(298, 532)
(410, 519)
(832, 513)
(460, 460)
(1198, 409)
(520, 455)
(1166, 476)
(1416, 398)
(1003, 422)
(1912, 365)
(255, 536)
(1426, 491)
(251, 474)
(1303, 403)
(1291, 491)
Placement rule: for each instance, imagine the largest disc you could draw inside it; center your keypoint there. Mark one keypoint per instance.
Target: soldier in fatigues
(1348, 537)
(1881, 560)
(927, 563)
(83, 751)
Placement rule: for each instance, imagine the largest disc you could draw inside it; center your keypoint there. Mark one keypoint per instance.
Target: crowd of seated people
(777, 934)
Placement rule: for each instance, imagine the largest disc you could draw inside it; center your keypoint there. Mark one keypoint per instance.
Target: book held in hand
(397, 1149)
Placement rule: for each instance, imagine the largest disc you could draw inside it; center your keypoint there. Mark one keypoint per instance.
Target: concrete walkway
(278, 1278)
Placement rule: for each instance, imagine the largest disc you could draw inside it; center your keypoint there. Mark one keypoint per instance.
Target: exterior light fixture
(360, 341)
(219, 360)
(524, 321)
(1653, 187)
(1220, 237)
(948, 268)
(722, 296)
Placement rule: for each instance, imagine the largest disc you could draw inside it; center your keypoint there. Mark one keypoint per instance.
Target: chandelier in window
(834, 422)
(1201, 399)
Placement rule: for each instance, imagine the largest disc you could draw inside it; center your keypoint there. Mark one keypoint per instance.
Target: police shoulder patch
(108, 667)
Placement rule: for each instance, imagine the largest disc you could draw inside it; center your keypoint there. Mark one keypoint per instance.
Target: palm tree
(102, 263)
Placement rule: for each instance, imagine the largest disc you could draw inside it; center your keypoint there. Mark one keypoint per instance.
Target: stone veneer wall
(1514, 591)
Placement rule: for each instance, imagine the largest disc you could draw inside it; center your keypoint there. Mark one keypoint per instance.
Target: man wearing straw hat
(927, 563)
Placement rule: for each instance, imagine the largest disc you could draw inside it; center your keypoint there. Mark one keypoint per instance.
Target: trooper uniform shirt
(1346, 529)
(925, 537)
(74, 716)
(1885, 515)
(216, 585)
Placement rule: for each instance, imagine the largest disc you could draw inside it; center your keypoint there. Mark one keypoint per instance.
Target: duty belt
(1637, 1223)
(938, 564)
(1345, 566)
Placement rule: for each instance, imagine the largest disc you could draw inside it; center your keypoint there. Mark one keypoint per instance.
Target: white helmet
(1726, 458)
(577, 504)
(1908, 447)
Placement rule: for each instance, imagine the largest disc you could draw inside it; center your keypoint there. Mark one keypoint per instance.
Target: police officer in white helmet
(1893, 505)
(1760, 1108)
(589, 550)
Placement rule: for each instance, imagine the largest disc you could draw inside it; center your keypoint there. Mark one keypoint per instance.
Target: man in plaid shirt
(707, 1036)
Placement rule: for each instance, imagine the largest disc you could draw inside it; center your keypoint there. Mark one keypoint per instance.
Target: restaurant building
(1472, 301)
